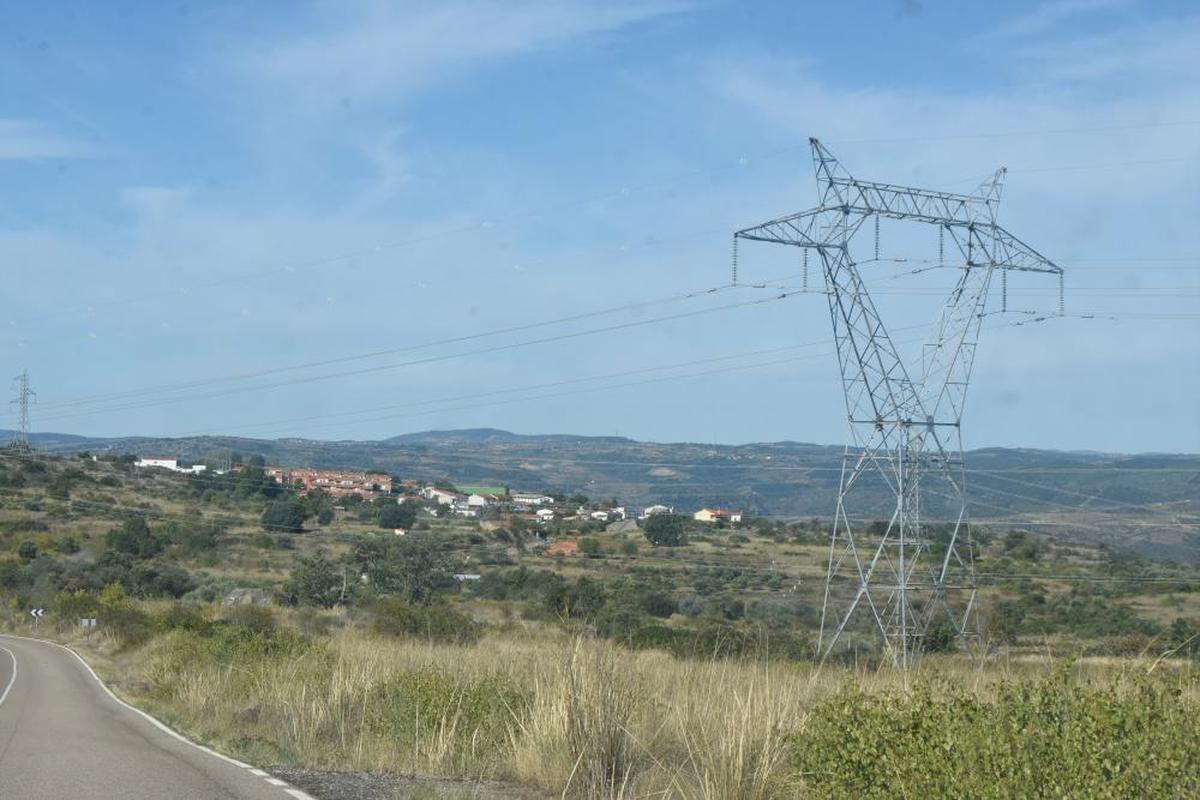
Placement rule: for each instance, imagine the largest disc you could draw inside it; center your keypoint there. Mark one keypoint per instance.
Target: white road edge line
(13, 679)
(299, 795)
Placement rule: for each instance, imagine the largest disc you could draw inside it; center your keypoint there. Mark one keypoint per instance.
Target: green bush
(284, 516)
(134, 538)
(247, 634)
(397, 515)
(439, 623)
(183, 616)
(314, 581)
(127, 624)
(1052, 738)
(665, 530)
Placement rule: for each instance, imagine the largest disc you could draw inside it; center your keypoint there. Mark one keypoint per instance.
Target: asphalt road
(64, 737)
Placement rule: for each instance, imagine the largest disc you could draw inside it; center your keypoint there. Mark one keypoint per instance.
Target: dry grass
(569, 717)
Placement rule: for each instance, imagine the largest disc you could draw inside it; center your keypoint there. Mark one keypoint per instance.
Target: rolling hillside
(1149, 503)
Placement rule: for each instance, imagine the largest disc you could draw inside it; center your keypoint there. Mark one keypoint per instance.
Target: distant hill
(1146, 502)
(491, 436)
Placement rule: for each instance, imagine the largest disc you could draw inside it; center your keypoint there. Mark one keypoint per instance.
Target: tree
(28, 550)
(252, 480)
(134, 538)
(315, 581)
(284, 516)
(657, 603)
(397, 515)
(411, 568)
(664, 530)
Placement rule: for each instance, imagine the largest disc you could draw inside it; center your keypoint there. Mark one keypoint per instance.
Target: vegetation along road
(64, 735)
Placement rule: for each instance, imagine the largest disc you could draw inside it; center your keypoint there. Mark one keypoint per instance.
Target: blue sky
(197, 193)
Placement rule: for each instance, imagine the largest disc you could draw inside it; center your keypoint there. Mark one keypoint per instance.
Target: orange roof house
(566, 547)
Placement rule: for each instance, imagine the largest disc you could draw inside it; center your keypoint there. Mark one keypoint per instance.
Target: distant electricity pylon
(905, 419)
(21, 401)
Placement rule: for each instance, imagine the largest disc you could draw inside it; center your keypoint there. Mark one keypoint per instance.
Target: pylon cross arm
(800, 230)
(1008, 252)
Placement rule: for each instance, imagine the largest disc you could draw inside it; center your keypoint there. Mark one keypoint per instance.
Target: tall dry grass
(571, 717)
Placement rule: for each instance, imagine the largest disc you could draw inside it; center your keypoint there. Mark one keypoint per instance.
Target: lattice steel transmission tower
(21, 401)
(905, 418)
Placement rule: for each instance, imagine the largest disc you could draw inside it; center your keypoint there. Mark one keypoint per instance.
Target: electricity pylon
(21, 401)
(905, 419)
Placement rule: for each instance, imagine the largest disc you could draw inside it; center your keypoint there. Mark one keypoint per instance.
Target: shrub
(67, 545)
(121, 619)
(438, 623)
(397, 515)
(657, 604)
(284, 516)
(473, 712)
(315, 581)
(664, 530)
(1050, 738)
(183, 616)
(134, 538)
(70, 607)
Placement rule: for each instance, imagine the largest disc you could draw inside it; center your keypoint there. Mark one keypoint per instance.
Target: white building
(479, 501)
(717, 515)
(158, 461)
(163, 462)
(601, 516)
(442, 496)
(545, 514)
(530, 499)
(650, 511)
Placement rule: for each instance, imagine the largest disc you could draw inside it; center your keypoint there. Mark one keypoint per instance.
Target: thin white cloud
(29, 140)
(1050, 15)
(1163, 52)
(365, 51)
(390, 171)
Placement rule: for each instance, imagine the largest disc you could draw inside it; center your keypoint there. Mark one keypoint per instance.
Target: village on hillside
(443, 499)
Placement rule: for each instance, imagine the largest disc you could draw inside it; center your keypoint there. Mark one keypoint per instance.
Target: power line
(436, 359)
(623, 192)
(275, 425)
(87, 399)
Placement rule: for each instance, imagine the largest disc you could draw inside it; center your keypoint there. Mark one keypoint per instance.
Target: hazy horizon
(567, 434)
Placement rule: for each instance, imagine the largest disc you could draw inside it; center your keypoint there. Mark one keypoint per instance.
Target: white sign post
(37, 614)
(88, 625)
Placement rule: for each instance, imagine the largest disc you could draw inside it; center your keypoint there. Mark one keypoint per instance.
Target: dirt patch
(384, 786)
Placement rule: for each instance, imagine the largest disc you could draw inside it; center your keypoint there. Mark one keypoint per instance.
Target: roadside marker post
(37, 614)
